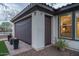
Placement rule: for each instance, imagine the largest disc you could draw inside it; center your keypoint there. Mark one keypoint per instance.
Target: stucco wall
(73, 45)
(54, 29)
(38, 30)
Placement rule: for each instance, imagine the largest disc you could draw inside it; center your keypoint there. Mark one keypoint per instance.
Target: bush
(61, 44)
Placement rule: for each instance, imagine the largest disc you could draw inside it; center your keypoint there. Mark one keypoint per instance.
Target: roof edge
(31, 6)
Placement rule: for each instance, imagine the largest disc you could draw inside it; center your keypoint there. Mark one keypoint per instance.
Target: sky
(15, 8)
(12, 8)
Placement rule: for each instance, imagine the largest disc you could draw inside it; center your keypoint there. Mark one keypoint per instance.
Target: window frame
(76, 38)
(59, 25)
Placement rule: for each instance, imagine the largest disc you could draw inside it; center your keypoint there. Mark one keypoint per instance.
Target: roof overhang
(46, 8)
(68, 8)
(32, 7)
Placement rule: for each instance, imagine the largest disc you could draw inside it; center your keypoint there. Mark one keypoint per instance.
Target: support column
(54, 29)
(13, 30)
(38, 30)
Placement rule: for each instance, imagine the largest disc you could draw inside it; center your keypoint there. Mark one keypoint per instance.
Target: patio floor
(23, 47)
(26, 50)
(50, 51)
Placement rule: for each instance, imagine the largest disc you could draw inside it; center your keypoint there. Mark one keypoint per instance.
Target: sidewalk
(23, 47)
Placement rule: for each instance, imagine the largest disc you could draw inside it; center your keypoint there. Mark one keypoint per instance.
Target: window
(65, 26)
(77, 24)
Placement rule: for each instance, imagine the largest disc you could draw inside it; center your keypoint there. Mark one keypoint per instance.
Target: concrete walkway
(3, 37)
(49, 51)
(23, 47)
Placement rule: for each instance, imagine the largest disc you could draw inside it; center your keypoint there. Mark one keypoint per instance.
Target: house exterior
(40, 25)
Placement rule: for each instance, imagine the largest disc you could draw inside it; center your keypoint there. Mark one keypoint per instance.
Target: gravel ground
(50, 51)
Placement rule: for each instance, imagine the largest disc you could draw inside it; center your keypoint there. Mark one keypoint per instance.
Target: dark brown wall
(23, 30)
(47, 30)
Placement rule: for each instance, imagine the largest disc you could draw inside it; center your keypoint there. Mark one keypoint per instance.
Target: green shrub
(61, 43)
